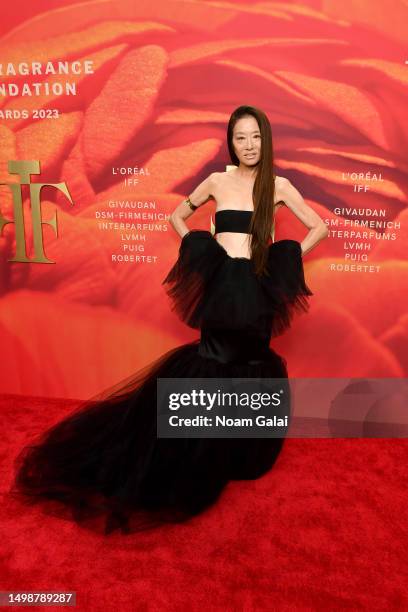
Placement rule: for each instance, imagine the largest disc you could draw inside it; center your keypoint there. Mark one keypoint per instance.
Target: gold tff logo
(24, 169)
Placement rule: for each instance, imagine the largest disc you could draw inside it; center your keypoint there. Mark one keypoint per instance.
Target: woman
(105, 459)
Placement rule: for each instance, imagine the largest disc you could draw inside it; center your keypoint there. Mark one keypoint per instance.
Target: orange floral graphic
(167, 75)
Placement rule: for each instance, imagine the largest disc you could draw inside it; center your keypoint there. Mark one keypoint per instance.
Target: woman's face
(247, 140)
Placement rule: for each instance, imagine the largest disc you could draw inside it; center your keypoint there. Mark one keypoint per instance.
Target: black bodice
(231, 220)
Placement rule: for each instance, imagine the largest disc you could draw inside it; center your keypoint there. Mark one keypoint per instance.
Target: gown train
(105, 462)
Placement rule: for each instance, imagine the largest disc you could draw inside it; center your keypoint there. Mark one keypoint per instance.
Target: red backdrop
(166, 76)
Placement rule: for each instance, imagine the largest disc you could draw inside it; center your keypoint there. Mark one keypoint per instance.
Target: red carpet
(326, 529)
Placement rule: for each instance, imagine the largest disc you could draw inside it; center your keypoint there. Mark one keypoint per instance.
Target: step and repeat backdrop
(111, 113)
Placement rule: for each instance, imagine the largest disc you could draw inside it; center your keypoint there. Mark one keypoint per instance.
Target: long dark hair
(263, 193)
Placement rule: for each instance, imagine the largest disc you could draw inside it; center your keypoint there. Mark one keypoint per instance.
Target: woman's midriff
(236, 244)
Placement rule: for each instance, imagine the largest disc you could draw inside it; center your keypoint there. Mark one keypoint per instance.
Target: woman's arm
(199, 196)
(318, 229)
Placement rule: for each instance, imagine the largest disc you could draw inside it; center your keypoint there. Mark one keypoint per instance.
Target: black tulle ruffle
(205, 276)
(104, 467)
(105, 461)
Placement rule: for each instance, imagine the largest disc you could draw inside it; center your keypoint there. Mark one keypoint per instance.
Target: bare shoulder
(219, 183)
(281, 186)
(205, 190)
(219, 178)
(280, 180)
(215, 181)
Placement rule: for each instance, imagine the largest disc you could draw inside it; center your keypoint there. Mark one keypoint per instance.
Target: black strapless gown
(104, 461)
